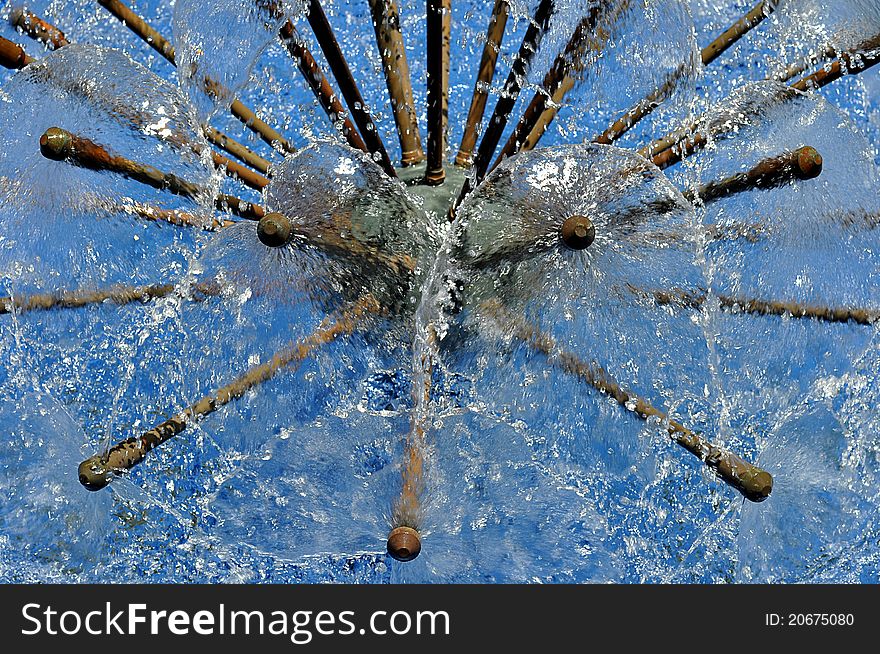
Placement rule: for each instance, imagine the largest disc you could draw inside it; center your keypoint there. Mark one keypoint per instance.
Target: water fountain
(358, 358)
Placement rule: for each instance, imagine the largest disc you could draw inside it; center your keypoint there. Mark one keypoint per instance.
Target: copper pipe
(60, 145)
(673, 147)
(504, 106)
(161, 45)
(99, 470)
(736, 31)
(751, 481)
(118, 295)
(320, 86)
(356, 105)
(235, 170)
(236, 149)
(485, 75)
(437, 47)
(803, 163)
(38, 29)
(591, 34)
(386, 23)
(13, 56)
(757, 306)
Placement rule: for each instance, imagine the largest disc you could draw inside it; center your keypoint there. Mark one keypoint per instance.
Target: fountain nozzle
(578, 232)
(274, 230)
(404, 543)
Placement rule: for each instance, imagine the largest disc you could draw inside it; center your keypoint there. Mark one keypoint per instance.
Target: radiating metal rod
(60, 145)
(504, 106)
(161, 45)
(38, 29)
(736, 31)
(756, 306)
(591, 34)
(404, 540)
(485, 75)
(803, 164)
(12, 55)
(320, 86)
(350, 91)
(99, 470)
(681, 143)
(646, 106)
(119, 295)
(41, 30)
(437, 48)
(751, 481)
(386, 23)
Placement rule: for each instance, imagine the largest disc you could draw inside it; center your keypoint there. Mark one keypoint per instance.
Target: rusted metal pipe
(60, 145)
(504, 106)
(119, 295)
(320, 85)
(99, 470)
(803, 163)
(437, 48)
(12, 55)
(485, 75)
(38, 29)
(757, 306)
(751, 481)
(591, 34)
(386, 23)
(708, 54)
(404, 541)
(236, 149)
(856, 61)
(681, 143)
(161, 45)
(350, 91)
(736, 31)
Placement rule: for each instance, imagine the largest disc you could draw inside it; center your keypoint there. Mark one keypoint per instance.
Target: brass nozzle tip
(56, 144)
(578, 232)
(809, 163)
(404, 543)
(758, 485)
(93, 473)
(274, 230)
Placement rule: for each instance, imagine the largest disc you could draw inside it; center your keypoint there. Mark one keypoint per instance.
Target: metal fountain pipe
(60, 145)
(751, 481)
(761, 307)
(99, 470)
(350, 91)
(386, 23)
(504, 106)
(673, 147)
(736, 31)
(236, 149)
(803, 164)
(647, 105)
(161, 45)
(588, 35)
(437, 46)
(13, 56)
(38, 29)
(118, 295)
(320, 85)
(485, 75)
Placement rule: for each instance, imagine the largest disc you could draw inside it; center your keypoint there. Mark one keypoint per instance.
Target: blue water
(531, 474)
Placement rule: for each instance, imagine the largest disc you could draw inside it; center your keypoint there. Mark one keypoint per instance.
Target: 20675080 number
(809, 619)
